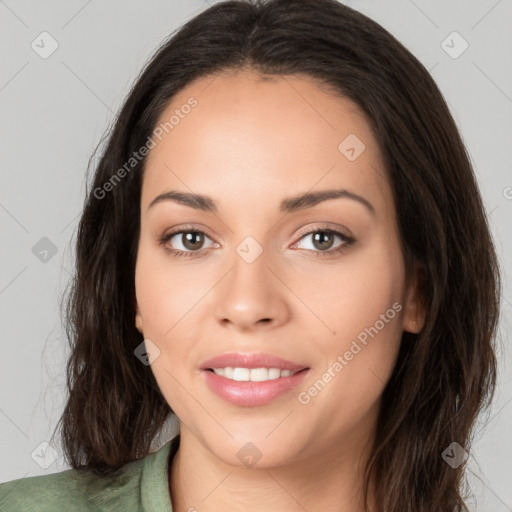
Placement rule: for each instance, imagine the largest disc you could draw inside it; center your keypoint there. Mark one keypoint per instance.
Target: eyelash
(348, 241)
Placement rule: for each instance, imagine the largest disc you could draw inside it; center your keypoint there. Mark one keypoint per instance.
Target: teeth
(252, 374)
(274, 373)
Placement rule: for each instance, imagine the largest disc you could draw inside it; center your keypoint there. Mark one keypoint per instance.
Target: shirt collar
(155, 493)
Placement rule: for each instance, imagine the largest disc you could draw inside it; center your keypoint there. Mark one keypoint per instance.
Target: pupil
(321, 237)
(189, 237)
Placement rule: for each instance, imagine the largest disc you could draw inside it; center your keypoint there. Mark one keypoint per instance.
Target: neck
(331, 479)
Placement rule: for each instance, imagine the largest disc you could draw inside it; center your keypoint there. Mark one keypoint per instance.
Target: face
(319, 283)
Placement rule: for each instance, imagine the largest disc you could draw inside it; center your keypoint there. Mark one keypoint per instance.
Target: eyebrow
(289, 205)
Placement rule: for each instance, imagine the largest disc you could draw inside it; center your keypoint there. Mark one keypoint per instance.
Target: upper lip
(259, 360)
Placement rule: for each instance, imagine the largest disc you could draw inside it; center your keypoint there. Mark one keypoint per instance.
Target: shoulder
(56, 491)
(74, 491)
(137, 486)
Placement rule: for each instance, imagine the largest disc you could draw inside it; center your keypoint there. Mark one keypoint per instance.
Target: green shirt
(139, 486)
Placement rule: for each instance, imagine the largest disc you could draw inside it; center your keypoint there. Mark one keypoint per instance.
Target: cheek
(352, 294)
(167, 297)
(364, 306)
(165, 293)
(164, 302)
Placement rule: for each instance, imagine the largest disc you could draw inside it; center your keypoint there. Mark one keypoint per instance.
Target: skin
(250, 143)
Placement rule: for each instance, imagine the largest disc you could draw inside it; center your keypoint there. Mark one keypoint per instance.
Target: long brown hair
(444, 376)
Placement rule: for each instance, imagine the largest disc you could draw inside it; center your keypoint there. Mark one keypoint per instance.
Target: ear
(138, 319)
(414, 310)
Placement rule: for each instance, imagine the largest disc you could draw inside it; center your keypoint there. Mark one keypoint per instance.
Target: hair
(444, 376)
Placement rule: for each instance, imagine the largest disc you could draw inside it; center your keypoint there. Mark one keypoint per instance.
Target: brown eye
(192, 240)
(184, 243)
(323, 240)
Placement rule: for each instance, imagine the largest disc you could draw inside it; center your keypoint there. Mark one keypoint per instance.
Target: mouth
(240, 374)
(250, 380)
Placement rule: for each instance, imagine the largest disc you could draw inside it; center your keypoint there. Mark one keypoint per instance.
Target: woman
(284, 245)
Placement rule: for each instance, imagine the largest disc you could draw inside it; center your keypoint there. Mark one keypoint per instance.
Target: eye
(192, 241)
(188, 242)
(323, 240)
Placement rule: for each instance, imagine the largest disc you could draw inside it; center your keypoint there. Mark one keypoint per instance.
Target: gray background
(54, 112)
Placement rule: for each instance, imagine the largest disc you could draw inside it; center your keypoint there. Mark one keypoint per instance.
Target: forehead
(251, 135)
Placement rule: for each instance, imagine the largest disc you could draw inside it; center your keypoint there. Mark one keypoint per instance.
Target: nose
(252, 296)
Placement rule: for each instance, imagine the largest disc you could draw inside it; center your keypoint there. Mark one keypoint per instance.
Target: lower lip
(252, 394)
